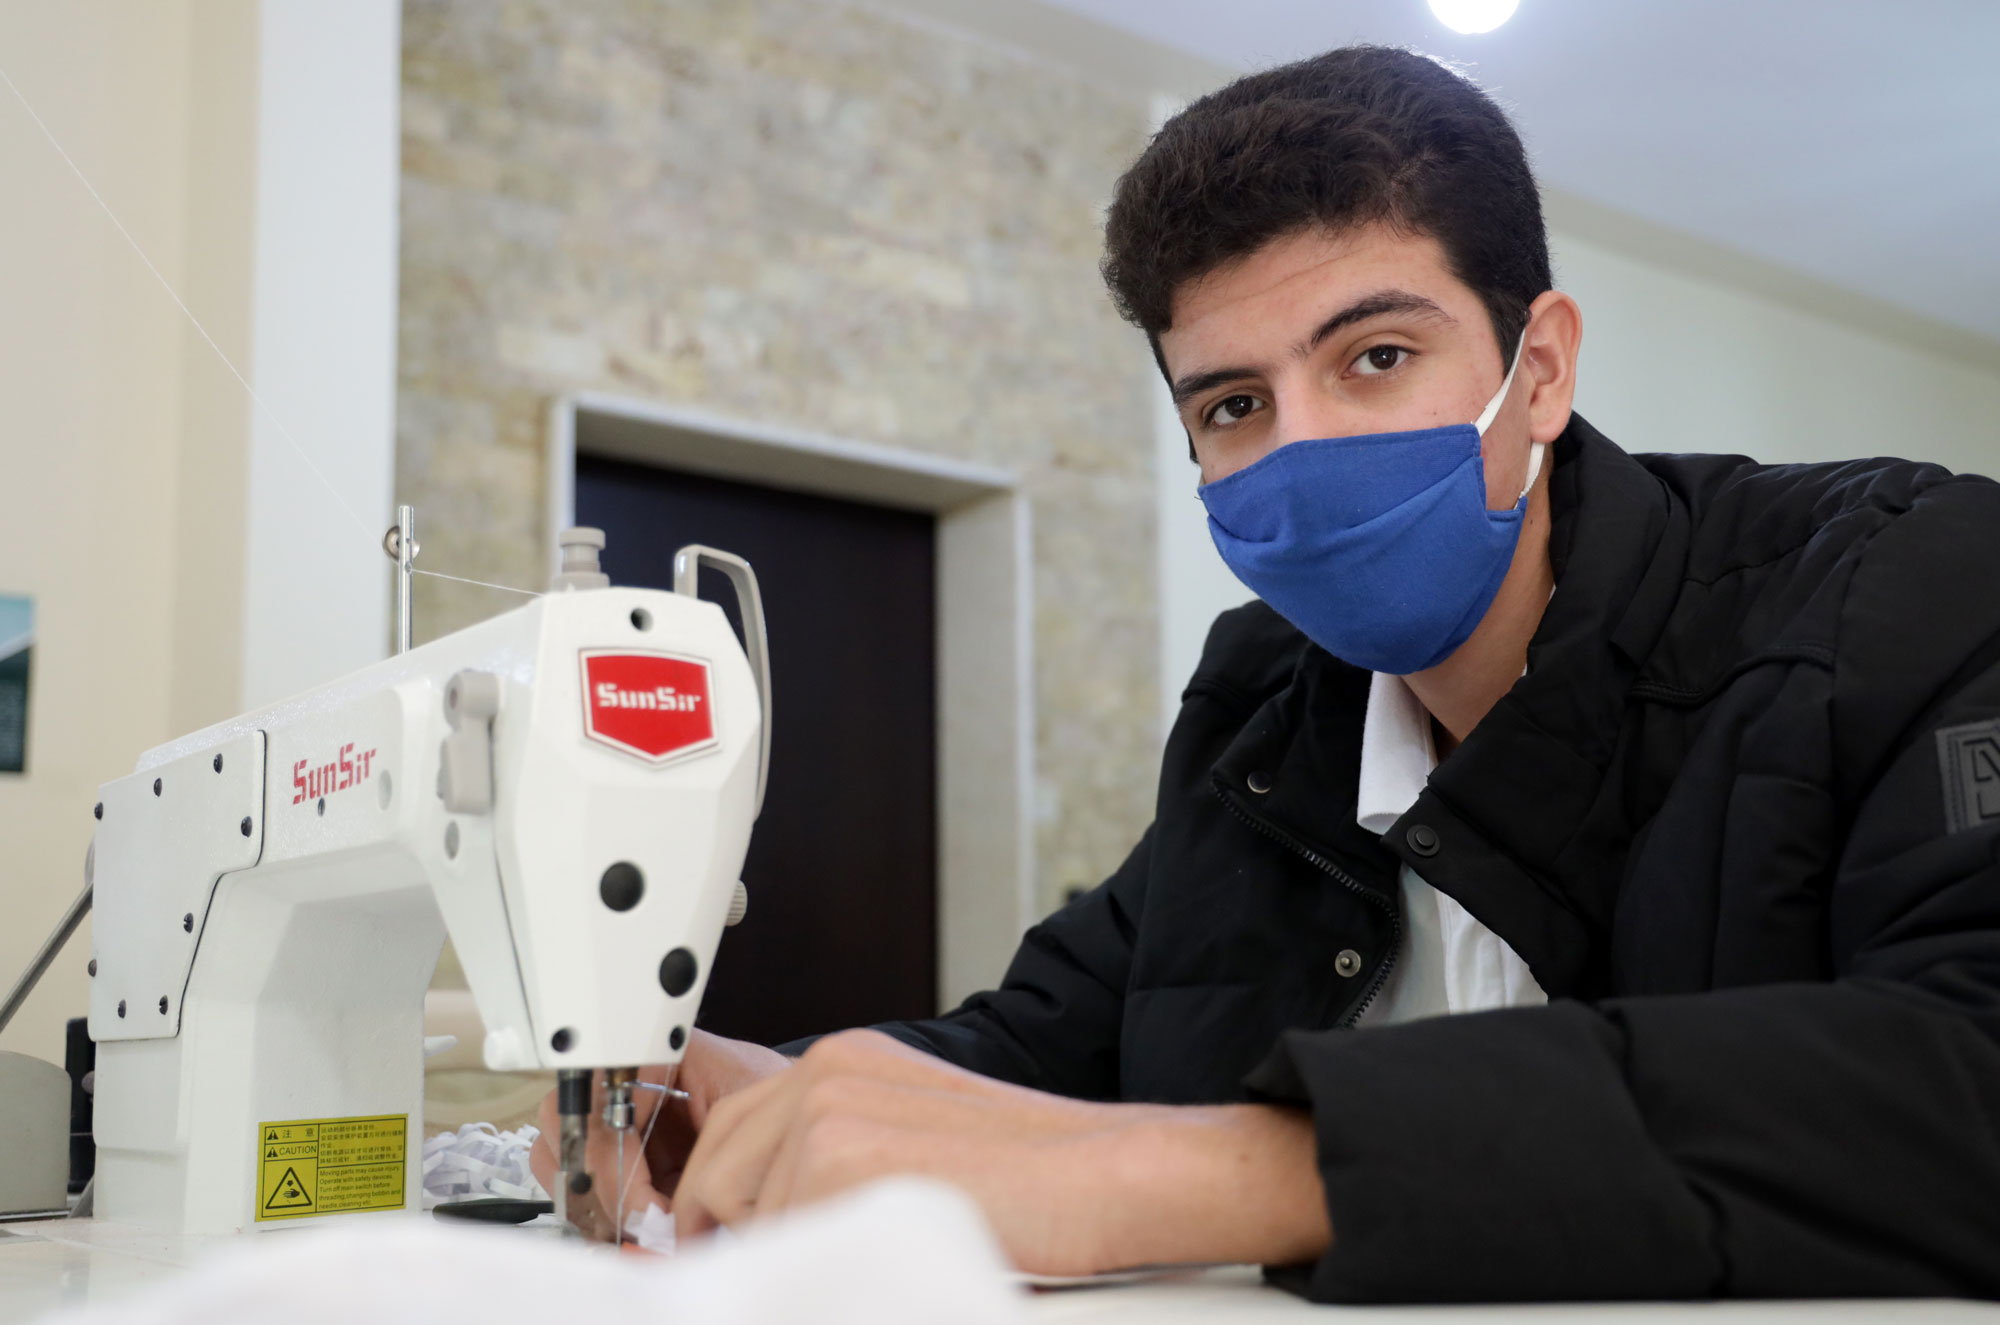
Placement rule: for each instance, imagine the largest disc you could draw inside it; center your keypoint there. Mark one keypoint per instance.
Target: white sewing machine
(566, 790)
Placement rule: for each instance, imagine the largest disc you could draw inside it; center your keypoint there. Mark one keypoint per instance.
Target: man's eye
(1380, 359)
(1233, 409)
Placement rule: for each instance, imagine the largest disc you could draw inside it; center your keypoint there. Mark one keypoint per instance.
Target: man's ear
(1555, 333)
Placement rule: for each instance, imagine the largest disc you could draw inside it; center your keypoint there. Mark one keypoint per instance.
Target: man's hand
(1070, 1187)
(712, 1069)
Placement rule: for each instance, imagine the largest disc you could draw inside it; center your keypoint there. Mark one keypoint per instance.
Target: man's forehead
(1300, 276)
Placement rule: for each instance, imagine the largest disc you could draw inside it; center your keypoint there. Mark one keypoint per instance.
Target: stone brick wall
(803, 212)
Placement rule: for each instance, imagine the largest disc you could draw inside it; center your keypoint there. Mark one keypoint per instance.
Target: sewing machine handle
(687, 567)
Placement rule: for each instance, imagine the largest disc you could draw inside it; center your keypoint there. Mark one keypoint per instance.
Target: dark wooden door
(842, 871)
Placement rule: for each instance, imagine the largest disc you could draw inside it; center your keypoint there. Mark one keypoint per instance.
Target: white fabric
(1449, 962)
(479, 1160)
(652, 1229)
(901, 1252)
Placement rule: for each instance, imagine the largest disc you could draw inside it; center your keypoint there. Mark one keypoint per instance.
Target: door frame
(985, 641)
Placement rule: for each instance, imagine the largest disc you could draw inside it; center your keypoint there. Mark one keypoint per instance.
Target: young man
(1576, 878)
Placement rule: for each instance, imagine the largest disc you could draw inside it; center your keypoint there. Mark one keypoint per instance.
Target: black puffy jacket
(1740, 818)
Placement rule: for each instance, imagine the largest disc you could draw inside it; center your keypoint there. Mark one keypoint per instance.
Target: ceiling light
(1471, 16)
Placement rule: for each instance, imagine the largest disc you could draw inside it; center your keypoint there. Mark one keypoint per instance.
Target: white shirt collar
(1397, 753)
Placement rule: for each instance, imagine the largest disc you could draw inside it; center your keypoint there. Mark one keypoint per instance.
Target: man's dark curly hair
(1357, 135)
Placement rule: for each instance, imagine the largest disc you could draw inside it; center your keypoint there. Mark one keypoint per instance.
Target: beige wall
(91, 374)
(1687, 360)
(799, 212)
(253, 163)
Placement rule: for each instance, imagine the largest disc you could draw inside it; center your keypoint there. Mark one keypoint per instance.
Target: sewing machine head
(567, 790)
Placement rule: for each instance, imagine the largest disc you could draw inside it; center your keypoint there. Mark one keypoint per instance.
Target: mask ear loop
(1492, 411)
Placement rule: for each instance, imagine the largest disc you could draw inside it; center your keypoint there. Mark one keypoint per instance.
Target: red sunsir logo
(654, 705)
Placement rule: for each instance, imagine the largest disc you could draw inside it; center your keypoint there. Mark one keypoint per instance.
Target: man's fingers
(748, 1152)
(667, 1130)
(746, 1132)
(839, 1154)
(774, 1194)
(667, 1149)
(750, 1107)
(839, 1121)
(836, 1113)
(733, 1150)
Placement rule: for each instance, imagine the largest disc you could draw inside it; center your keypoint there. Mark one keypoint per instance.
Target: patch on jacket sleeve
(1969, 768)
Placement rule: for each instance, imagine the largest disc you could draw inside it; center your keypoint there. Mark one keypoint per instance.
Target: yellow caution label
(330, 1166)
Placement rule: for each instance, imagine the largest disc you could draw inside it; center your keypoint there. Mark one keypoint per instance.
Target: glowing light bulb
(1471, 16)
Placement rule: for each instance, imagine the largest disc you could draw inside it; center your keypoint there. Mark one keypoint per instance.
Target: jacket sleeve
(1053, 1024)
(1786, 1140)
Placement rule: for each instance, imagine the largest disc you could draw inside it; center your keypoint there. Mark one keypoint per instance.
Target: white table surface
(1238, 1294)
(46, 1265)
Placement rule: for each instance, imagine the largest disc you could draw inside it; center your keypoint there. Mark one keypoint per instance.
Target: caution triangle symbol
(271, 1154)
(290, 1193)
(271, 1135)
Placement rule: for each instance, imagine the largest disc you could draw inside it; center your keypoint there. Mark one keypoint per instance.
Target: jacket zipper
(1348, 881)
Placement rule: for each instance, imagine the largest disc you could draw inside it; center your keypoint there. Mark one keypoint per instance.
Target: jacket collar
(1512, 804)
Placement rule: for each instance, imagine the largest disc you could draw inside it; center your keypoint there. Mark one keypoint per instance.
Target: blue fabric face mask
(1379, 547)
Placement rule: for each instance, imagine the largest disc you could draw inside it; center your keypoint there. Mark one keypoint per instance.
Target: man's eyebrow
(1369, 305)
(1193, 385)
(1375, 305)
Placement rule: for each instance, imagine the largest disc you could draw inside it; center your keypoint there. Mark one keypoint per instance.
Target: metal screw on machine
(618, 1097)
(578, 567)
